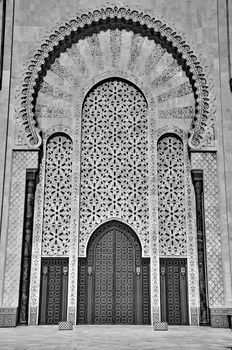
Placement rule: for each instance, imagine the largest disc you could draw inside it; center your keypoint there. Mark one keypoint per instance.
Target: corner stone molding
(81, 25)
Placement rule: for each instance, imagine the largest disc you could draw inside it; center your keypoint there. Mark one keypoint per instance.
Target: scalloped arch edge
(27, 85)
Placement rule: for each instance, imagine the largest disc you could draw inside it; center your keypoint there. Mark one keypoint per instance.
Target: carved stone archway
(80, 26)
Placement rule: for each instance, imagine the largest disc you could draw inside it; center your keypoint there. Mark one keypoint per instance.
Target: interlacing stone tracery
(171, 196)
(57, 196)
(114, 168)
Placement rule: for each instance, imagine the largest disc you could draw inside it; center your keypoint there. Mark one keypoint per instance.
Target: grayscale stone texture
(146, 70)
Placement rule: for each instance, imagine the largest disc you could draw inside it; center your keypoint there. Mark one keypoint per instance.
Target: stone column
(26, 251)
(197, 177)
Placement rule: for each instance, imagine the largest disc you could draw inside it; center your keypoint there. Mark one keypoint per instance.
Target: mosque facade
(116, 162)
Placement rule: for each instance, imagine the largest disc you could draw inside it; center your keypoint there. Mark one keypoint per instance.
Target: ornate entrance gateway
(114, 112)
(114, 279)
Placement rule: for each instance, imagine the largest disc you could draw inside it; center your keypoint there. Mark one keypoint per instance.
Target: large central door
(114, 279)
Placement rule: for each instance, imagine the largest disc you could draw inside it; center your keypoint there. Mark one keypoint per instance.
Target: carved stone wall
(128, 55)
(117, 152)
(152, 68)
(57, 196)
(21, 161)
(208, 163)
(114, 160)
(159, 166)
(61, 163)
(115, 18)
(171, 196)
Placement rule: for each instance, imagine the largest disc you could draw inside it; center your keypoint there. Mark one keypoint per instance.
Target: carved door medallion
(54, 287)
(173, 288)
(114, 279)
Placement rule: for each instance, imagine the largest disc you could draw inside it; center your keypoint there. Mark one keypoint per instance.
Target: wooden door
(114, 279)
(173, 289)
(53, 291)
(112, 289)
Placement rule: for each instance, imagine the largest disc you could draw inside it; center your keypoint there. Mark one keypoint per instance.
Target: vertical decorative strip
(207, 162)
(192, 273)
(171, 196)
(75, 210)
(115, 45)
(190, 239)
(36, 245)
(27, 245)
(135, 49)
(57, 196)
(153, 213)
(197, 176)
(22, 160)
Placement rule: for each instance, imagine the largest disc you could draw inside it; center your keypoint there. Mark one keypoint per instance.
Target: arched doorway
(113, 281)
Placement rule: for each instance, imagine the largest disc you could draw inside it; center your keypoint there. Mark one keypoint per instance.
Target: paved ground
(114, 338)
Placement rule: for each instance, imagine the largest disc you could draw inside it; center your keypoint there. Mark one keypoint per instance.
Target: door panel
(113, 275)
(124, 279)
(103, 279)
(173, 286)
(113, 284)
(54, 286)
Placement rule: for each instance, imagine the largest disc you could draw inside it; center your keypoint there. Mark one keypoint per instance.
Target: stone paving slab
(114, 338)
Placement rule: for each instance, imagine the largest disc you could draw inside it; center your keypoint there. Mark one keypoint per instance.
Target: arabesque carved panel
(208, 163)
(22, 160)
(171, 196)
(57, 196)
(114, 168)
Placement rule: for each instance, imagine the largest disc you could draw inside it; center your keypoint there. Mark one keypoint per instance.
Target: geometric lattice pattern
(21, 161)
(57, 196)
(171, 196)
(114, 168)
(65, 326)
(208, 163)
(160, 326)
